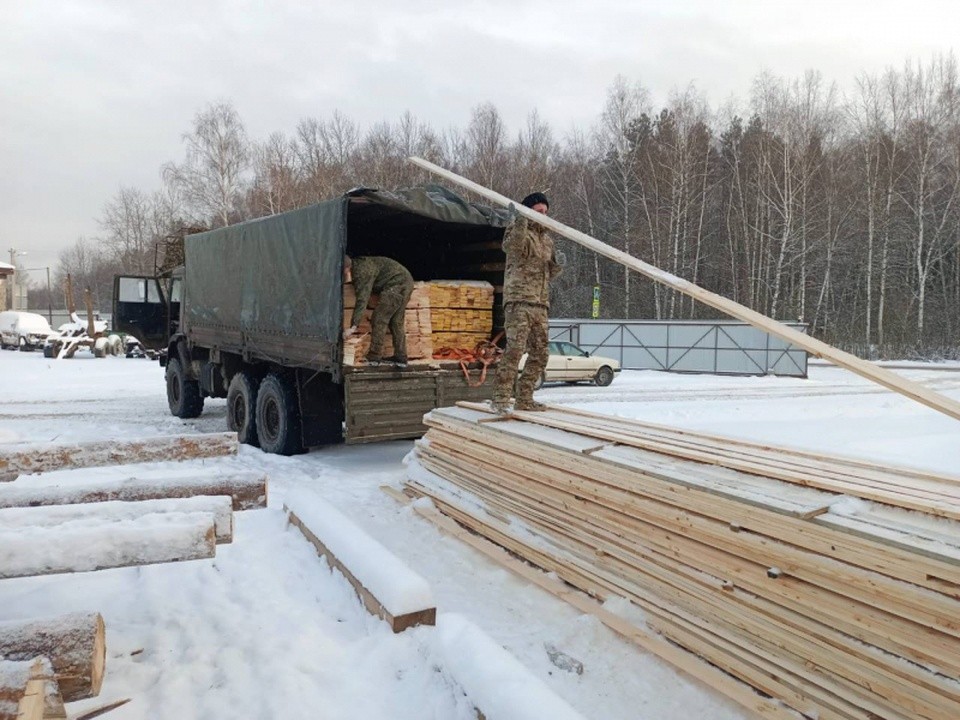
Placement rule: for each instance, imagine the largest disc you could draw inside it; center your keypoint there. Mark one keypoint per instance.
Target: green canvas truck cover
(280, 275)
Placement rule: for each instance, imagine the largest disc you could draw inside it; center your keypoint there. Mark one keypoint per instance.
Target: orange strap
(486, 352)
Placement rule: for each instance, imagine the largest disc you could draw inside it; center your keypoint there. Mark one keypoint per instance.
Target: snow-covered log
(248, 490)
(95, 514)
(28, 691)
(497, 684)
(75, 645)
(387, 587)
(156, 538)
(22, 459)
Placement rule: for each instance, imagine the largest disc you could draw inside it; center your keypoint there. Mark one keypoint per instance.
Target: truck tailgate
(387, 403)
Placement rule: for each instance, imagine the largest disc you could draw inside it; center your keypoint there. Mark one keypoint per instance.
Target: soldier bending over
(375, 274)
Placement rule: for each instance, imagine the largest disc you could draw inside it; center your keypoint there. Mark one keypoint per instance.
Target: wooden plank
(29, 691)
(398, 621)
(17, 459)
(818, 348)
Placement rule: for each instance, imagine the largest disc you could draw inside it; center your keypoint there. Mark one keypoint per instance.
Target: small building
(6, 271)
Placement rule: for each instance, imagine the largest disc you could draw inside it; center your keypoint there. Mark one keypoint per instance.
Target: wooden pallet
(761, 574)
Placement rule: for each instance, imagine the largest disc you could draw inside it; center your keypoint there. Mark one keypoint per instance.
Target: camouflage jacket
(531, 263)
(372, 274)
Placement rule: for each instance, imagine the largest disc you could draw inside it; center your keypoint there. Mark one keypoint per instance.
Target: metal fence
(720, 347)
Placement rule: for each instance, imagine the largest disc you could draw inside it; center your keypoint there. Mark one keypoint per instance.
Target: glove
(560, 257)
(512, 214)
(349, 332)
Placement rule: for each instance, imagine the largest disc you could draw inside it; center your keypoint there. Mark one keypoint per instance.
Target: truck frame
(261, 314)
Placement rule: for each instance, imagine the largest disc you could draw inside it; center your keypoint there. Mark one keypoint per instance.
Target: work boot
(500, 406)
(397, 361)
(530, 405)
(373, 360)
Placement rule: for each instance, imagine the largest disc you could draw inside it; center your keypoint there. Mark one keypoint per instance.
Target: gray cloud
(96, 95)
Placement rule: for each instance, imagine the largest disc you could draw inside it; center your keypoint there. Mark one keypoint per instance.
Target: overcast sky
(96, 95)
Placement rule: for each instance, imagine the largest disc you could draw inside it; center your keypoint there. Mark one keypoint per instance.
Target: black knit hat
(534, 199)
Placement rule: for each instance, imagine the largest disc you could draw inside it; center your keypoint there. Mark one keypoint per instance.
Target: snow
(500, 686)
(395, 586)
(266, 630)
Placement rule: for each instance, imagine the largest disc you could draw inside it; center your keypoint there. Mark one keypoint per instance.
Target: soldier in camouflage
(531, 265)
(374, 274)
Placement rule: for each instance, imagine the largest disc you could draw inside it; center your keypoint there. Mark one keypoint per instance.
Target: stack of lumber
(791, 582)
(440, 314)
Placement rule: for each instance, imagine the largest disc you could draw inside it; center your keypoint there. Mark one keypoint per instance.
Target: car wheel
(604, 376)
(183, 394)
(278, 416)
(242, 407)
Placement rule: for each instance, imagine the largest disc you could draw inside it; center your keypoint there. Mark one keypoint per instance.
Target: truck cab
(148, 307)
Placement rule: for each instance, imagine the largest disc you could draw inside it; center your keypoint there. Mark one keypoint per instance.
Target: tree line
(842, 211)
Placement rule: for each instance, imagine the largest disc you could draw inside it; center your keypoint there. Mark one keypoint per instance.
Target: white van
(23, 330)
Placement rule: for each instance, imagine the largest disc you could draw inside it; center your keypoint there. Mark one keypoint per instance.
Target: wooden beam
(248, 490)
(74, 643)
(24, 459)
(818, 348)
(157, 538)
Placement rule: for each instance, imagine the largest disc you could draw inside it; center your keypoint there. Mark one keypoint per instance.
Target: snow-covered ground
(266, 630)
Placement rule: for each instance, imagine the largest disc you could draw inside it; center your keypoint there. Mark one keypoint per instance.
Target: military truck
(261, 316)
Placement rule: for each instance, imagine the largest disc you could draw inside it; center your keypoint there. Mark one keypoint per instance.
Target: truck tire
(278, 416)
(604, 376)
(183, 394)
(242, 407)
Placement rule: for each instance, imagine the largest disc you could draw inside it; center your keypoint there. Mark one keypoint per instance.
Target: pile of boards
(790, 581)
(87, 520)
(440, 314)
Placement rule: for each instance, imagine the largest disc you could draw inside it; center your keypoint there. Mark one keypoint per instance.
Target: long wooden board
(818, 348)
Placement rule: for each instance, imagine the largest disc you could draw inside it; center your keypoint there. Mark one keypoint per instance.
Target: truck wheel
(278, 416)
(183, 394)
(604, 376)
(242, 407)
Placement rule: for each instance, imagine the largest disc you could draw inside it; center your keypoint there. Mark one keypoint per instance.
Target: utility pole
(49, 293)
(16, 279)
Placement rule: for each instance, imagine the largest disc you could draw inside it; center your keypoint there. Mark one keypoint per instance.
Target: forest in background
(840, 210)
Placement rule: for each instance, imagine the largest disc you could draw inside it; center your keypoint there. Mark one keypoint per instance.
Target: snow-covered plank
(385, 584)
(247, 489)
(494, 680)
(156, 538)
(28, 691)
(21, 459)
(75, 644)
(95, 514)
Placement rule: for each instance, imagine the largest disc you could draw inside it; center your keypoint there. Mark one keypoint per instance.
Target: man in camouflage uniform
(374, 274)
(531, 265)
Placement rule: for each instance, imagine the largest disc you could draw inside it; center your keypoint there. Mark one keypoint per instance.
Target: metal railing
(720, 347)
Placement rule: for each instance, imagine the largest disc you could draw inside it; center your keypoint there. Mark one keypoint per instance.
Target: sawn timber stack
(779, 567)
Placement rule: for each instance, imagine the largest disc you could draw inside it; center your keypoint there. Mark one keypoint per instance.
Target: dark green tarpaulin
(280, 275)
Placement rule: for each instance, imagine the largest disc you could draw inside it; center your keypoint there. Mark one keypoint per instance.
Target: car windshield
(571, 350)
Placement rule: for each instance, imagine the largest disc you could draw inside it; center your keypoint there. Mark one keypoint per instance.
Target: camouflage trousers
(390, 312)
(525, 325)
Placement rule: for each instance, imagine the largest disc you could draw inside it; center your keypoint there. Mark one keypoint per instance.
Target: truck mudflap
(388, 403)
